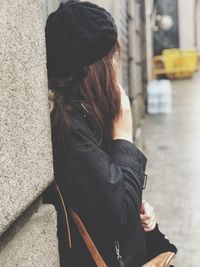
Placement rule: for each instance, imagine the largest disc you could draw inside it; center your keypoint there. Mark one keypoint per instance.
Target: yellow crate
(180, 63)
(176, 63)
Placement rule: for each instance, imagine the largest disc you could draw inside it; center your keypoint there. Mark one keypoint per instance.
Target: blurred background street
(172, 145)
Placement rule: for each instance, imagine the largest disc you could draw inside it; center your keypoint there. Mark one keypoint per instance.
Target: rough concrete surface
(25, 147)
(173, 151)
(35, 245)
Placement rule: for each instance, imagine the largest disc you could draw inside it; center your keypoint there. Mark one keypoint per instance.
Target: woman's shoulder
(84, 131)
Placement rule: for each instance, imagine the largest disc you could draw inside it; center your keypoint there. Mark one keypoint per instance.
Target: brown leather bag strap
(88, 241)
(83, 232)
(66, 214)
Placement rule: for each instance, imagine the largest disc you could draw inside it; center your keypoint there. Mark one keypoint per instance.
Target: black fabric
(77, 35)
(105, 189)
(157, 244)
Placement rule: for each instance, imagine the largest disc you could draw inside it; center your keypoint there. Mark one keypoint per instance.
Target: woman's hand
(147, 216)
(123, 124)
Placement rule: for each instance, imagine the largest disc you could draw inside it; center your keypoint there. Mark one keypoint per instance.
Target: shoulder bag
(162, 260)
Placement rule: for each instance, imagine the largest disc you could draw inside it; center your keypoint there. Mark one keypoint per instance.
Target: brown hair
(98, 90)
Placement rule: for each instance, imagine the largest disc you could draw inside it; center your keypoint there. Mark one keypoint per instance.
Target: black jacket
(105, 188)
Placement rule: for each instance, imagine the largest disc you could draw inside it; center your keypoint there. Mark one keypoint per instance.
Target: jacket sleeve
(157, 243)
(105, 188)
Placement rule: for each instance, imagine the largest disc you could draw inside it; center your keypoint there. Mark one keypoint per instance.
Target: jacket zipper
(119, 257)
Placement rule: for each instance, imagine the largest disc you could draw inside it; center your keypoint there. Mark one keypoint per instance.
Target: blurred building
(184, 32)
(197, 24)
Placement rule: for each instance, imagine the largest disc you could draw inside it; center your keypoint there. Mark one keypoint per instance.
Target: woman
(98, 169)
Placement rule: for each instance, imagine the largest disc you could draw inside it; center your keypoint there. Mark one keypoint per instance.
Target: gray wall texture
(25, 145)
(35, 244)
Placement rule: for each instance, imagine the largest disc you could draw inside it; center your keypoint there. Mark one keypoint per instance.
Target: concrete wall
(25, 146)
(186, 10)
(34, 244)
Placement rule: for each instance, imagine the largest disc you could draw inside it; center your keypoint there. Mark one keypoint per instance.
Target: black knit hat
(77, 35)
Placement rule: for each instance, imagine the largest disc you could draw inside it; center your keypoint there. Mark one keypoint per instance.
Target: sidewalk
(173, 151)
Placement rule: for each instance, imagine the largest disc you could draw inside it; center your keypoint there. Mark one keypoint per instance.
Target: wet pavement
(172, 144)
